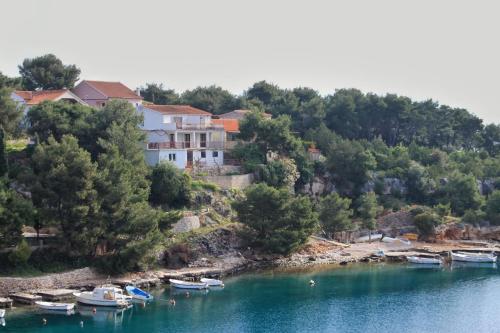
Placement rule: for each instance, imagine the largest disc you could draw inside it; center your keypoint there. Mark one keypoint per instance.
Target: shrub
(426, 223)
(21, 253)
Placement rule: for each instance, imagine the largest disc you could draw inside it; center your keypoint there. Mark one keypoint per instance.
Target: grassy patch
(202, 185)
(16, 145)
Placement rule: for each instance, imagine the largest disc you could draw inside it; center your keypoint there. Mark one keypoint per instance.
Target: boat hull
(55, 306)
(84, 299)
(423, 261)
(473, 258)
(212, 282)
(187, 285)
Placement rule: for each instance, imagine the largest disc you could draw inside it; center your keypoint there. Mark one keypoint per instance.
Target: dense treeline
(86, 176)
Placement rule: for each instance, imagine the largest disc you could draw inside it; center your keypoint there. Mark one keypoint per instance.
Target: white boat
(423, 260)
(55, 306)
(2, 313)
(103, 296)
(139, 294)
(473, 257)
(212, 282)
(187, 285)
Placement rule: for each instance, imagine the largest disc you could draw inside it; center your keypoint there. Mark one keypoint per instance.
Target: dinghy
(55, 306)
(2, 313)
(139, 294)
(423, 260)
(212, 282)
(473, 257)
(187, 285)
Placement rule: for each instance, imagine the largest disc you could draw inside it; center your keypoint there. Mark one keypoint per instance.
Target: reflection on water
(473, 265)
(56, 312)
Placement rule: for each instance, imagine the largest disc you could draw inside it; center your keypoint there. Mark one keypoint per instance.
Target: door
(187, 140)
(203, 140)
(189, 158)
(172, 140)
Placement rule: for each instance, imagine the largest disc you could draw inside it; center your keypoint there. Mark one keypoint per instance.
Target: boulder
(186, 224)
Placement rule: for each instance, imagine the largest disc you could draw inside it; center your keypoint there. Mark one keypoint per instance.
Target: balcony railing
(194, 127)
(186, 145)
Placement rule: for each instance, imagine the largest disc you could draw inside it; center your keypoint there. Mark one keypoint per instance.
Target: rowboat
(423, 260)
(2, 313)
(139, 294)
(212, 282)
(103, 296)
(55, 306)
(187, 285)
(473, 257)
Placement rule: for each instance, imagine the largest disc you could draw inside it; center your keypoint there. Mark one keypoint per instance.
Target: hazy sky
(445, 50)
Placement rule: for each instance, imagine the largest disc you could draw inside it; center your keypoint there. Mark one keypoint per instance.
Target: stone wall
(239, 182)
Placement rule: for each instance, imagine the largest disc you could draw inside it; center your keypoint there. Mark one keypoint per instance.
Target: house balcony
(199, 127)
(186, 145)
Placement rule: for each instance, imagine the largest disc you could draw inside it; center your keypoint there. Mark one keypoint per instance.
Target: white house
(29, 98)
(183, 135)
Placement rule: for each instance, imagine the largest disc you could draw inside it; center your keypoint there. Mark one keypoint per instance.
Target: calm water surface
(360, 298)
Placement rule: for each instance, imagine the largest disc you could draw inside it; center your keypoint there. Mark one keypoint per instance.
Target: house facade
(99, 93)
(182, 135)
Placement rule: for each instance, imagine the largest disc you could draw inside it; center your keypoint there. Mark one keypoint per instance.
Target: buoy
(44, 321)
(172, 302)
(94, 310)
(312, 283)
(81, 323)
(187, 293)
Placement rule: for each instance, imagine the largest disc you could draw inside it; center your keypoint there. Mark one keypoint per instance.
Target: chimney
(138, 91)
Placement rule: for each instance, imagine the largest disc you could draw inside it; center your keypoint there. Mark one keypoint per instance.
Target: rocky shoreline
(317, 252)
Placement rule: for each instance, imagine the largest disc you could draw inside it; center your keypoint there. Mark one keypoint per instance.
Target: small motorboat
(212, 282)
(424, 260)
(103, 296)
(187, 285)
(139, 294)
(55, 306)
(2, 313)
(473, 257)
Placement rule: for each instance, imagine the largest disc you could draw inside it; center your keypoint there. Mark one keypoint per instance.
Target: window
(215, 154)
(103, 104)
(203, 154)
(171, 157)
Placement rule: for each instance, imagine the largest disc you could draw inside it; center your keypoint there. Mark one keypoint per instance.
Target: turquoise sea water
(359, 298)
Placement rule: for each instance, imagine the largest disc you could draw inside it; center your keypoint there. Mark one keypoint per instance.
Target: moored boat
(55, 306)
(212, 282)
(103, 296)
(187, 285)
(473, 257)
(139, 294)
(423, 260)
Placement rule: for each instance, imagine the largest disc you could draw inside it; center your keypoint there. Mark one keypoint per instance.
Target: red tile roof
(36, 97)
(230, 125)
(113, 89)
(177, 109)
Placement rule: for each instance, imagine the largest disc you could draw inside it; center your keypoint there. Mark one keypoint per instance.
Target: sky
(447, 50)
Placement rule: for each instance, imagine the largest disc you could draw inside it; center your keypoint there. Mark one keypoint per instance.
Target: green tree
(11, 113)
(130, 224)
(281, 222)
(462, 193)
(47, 72)
(155, 93)
(15, 212)
(367, 211)
(169, 186)
(57, 119)
(8, 82)
(280, 173)
(426, 223)
(3, 155)
(21, 254)
(473, 217)
(334, 214)
(212, 99)
(493, 208)
(64, 192)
